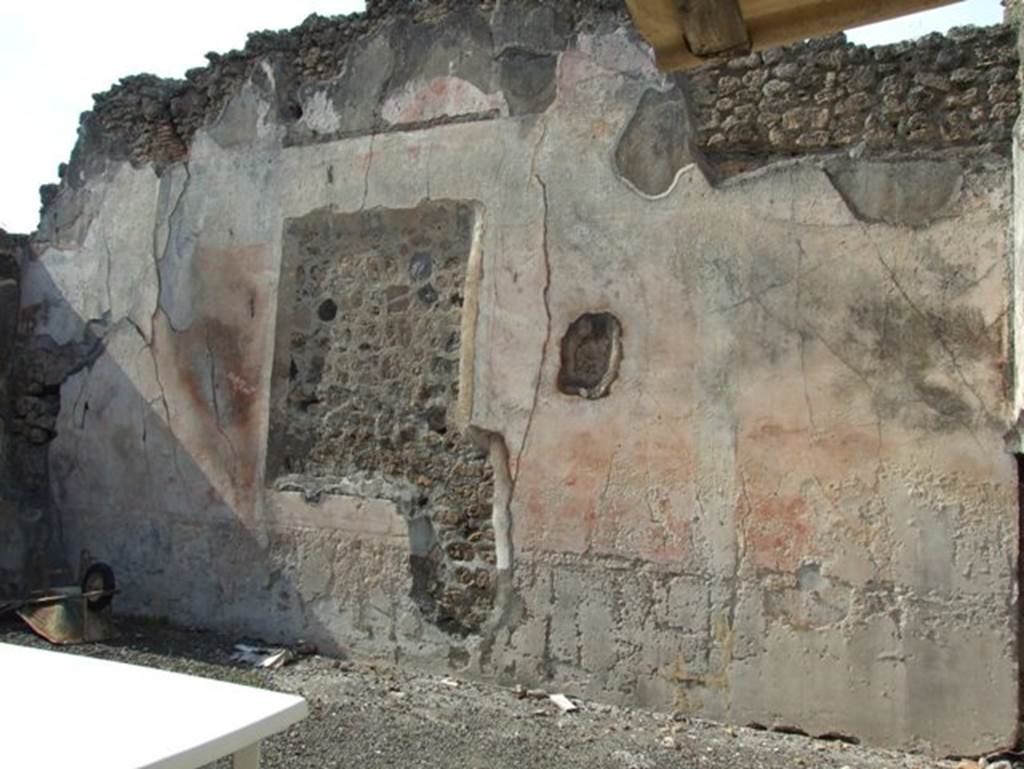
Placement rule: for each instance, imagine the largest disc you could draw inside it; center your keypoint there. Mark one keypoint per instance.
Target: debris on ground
(564, 703)
(523, 693)
(262, 657)
(372, 715)
(271, 657)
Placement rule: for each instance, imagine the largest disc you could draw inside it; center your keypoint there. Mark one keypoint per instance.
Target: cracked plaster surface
(797, 479)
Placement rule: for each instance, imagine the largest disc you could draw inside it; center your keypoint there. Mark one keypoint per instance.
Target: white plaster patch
(366, 517)
(319, 115)
(268, 72)
(422, 100)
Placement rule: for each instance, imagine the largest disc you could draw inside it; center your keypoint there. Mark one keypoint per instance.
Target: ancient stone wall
(12, 552)
(1012, 12)
(148, 119)
(12, 251)
(911, 98)
(745, 432)
(30, 551)
(907, 99)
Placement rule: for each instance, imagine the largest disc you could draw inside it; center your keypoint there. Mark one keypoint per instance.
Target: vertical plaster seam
(468, 322)
(500, 517)
(547, 307)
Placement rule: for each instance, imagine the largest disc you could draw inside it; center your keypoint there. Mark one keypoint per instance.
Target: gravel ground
(372, 716)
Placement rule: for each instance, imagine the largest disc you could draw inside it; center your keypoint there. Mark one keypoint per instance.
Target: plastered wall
(789, 503)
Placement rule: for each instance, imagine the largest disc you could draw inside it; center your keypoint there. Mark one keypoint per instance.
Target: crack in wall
(109, 259)
(366, 172)
(162, 397)
(159, 254)
(500, 460)
(939, 338)
(756, 299)
(800, 337)
(150, 342)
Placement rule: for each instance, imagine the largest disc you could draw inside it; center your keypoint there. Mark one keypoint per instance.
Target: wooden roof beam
(714, 27)
(688, 33)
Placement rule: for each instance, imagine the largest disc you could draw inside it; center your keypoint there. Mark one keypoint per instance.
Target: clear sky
(54, 55)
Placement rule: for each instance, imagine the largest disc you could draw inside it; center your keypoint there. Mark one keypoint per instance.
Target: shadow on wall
(156, 454)
(182, 527)
(21, 553)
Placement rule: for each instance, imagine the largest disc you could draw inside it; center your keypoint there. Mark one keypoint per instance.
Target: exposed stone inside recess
(591, 352)
(373, 332)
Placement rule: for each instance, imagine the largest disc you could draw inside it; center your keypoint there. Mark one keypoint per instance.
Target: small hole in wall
(427, 294)
(591, 352)
(328, 310)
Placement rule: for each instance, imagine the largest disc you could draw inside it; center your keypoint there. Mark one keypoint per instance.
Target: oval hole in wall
(591, 352)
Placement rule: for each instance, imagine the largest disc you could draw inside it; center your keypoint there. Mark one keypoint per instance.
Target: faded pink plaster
(212, 372)
(423, 100)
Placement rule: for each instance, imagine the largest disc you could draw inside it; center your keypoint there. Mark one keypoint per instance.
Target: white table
(65, 710)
